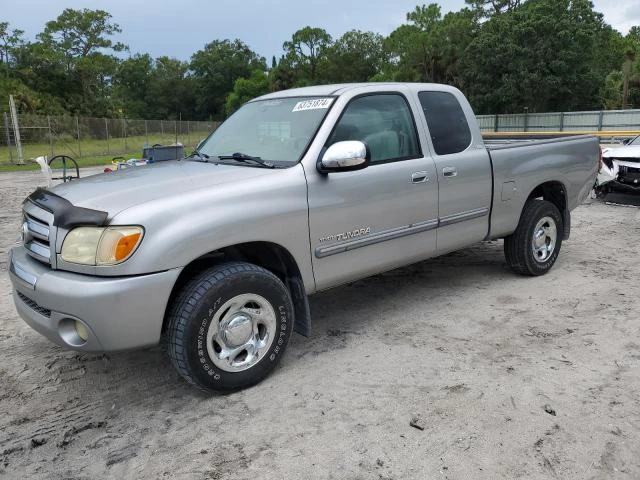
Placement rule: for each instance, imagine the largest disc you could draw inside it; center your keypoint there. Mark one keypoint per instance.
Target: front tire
(229, 326)
(534, 247)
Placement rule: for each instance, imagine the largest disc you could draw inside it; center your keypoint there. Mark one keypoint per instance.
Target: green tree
(77, 51)
(542, 56)
(430, 47)
(10, 40)
(283, 76)
(131, 85)
(355, 57)
(216, 69)
(247, 88)
(27, 100)
(487, 8)
(171, 92)
(306, 51)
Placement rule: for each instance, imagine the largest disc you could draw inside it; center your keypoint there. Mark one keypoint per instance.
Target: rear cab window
(447, 123)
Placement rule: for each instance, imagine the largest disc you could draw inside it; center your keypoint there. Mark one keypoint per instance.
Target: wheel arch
(555, 192)
(269, 255)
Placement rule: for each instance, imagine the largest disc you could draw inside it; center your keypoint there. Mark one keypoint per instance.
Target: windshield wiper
(243, 157)
(202, 157)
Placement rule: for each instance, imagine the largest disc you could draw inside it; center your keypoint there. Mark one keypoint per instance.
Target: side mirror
(344, 157)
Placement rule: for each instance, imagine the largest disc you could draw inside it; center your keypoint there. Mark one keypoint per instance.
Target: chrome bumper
(119, 313)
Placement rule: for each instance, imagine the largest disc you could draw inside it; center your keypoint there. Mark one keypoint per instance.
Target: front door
(384, 216)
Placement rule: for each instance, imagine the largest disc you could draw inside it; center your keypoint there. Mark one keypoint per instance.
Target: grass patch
(82, 162)
(91, 152)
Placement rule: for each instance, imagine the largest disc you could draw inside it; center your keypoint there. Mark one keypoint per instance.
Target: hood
(629, 151)
(116, 191)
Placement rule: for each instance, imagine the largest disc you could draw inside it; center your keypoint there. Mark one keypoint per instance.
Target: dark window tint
(384, 123)
(446, 121)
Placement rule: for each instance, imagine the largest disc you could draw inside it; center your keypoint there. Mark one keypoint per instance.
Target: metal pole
(600, 118)
(146, 134)
(562, 121)
(50, 136)
(162, 129)
(495, 123)
(6, 129)
(16, 129)
(526, 119)
(78, 132)
(106, 131)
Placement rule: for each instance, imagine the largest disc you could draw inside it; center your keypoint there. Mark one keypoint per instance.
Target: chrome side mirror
(344, 157)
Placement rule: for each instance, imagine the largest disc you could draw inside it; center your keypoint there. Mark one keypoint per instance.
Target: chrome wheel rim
(545, 235)
(241, 332)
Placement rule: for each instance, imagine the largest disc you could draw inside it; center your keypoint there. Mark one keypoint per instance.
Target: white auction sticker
(315, 104)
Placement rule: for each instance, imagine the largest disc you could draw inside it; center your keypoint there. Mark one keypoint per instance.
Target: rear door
(463, 168)
(384, 216)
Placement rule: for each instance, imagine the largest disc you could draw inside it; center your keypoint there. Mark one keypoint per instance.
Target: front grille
(34, 306)
(36, 235)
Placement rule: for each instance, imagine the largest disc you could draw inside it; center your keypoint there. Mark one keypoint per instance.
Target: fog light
(81, 330)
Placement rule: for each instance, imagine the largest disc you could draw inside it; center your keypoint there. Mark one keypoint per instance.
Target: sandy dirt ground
(507, 377)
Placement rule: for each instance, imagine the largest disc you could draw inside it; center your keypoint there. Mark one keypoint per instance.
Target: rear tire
(534, 247)
(229, 326)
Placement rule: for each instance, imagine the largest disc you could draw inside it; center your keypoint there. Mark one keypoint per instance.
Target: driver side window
(384, 123)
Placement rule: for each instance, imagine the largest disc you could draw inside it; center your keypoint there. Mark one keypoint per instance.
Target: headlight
(101, 246)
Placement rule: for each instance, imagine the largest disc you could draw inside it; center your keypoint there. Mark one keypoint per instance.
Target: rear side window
(446, 121)
(384, 123)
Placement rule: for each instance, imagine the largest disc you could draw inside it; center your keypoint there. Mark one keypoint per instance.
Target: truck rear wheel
(534, 247)
(229, 326)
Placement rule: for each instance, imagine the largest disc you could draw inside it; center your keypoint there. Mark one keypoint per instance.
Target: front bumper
(119, 313)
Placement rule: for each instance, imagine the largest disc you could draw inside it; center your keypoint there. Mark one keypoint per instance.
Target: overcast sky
(179, 28)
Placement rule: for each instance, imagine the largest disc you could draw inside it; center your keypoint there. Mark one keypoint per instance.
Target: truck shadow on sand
(76, 401)
(346, 308)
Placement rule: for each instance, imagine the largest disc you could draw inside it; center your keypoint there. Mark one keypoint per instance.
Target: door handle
(450, 172)
(420, 177)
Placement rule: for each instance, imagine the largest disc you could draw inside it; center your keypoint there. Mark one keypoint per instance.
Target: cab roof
(340, 88)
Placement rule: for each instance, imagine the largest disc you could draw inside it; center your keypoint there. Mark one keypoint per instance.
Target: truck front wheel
(229, 326)
(534, 247)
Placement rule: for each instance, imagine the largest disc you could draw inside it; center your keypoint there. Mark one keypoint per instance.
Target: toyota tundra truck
(297, 192)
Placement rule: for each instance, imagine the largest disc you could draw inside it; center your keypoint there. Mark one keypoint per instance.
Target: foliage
(430, 47)
(10, 40)
(247, 88)
(355, 57)
(215, 70)
(542, 56)
(506, 55)
(305, 51)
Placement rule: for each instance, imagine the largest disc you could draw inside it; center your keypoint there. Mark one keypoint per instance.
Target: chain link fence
(94, 138)
(105, 138)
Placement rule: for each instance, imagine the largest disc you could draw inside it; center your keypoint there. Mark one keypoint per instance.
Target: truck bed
(519, 166)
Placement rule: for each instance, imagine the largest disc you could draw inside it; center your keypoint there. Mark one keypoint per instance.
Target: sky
(179, 28)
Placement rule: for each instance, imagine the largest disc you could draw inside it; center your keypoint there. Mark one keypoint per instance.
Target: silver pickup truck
(297, 192)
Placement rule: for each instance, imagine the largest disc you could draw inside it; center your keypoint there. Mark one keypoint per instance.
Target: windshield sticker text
(315, 104)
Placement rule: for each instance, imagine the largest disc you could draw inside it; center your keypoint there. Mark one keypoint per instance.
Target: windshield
(276, 130)
(635, 141)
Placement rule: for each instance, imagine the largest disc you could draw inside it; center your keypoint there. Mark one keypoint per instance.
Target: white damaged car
(620, 168)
